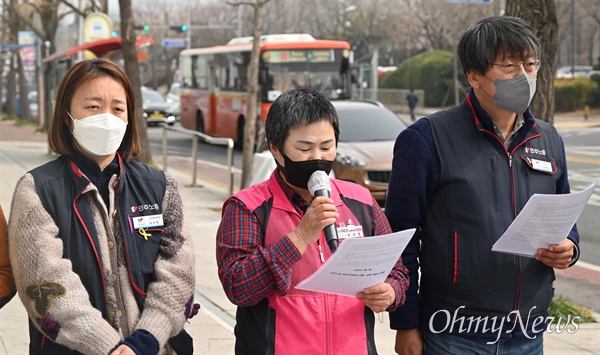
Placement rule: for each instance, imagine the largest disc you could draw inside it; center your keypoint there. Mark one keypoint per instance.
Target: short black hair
(296, 108)
(510, 37)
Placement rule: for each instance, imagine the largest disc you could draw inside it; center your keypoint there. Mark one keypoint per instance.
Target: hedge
(432, 71)
(574, 94)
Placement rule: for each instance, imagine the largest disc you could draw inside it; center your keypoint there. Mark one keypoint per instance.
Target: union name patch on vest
(155, 220)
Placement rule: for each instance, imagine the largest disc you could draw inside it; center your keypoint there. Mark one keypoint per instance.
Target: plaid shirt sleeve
(249, 271)
(398, 277)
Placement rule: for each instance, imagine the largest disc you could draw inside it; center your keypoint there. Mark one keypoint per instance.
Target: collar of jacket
(82, 181)
(483, 121)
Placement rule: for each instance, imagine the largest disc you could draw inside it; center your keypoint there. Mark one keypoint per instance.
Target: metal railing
(206, 138)
(393, 99)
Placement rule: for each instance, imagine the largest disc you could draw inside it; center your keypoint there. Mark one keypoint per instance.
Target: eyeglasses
(508, 68)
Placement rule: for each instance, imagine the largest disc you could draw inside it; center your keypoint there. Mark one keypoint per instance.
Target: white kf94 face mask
(99, 134)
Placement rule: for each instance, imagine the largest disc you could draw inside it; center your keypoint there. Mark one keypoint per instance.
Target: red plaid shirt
(250, 272)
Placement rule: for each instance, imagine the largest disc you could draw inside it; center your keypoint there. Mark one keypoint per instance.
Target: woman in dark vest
(100, 256)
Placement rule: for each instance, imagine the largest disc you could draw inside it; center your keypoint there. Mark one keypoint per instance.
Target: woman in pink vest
(271, 238)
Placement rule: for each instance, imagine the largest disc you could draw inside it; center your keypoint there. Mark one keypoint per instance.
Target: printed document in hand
(545, 219)
(358, 263)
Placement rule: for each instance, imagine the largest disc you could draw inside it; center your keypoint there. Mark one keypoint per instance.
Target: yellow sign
(96, 26)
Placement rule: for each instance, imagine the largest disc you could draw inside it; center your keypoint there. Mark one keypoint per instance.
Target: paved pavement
(21, 150)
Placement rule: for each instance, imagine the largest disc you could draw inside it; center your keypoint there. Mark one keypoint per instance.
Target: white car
(581, 71)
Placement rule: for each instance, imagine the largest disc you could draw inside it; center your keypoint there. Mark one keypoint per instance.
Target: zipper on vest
(328, 346)
(320, 251)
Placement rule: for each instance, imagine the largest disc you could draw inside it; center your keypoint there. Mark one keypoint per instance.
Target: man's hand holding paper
(558, 256)
(541, 228)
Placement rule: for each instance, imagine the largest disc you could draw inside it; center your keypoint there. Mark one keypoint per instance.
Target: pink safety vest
(312, 322)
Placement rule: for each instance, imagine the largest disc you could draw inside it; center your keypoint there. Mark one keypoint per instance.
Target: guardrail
(206, 138)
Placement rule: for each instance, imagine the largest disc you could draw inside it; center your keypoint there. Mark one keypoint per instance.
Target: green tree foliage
(432, 71)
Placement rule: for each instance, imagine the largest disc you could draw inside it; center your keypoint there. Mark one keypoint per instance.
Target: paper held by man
(544, 220)
(358, 263)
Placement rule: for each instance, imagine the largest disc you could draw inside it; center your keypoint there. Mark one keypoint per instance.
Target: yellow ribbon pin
(144, 234)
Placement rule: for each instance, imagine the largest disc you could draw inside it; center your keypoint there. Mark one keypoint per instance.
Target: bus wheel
(199, 122)
(239, 144)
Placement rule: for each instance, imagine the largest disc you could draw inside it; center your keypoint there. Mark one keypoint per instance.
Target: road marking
(588, 266)
(583, 160)
(581, 179)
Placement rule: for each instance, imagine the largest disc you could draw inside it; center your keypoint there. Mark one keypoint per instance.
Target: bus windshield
(325, 70)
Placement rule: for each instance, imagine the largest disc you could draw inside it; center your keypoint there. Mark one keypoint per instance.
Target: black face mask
(297, 173)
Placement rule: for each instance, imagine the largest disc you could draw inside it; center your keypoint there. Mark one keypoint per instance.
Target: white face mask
(99, 134)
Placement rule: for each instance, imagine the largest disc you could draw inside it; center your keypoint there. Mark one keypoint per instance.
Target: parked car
(567, 71)
(365, 149)
(592, 73)
(156, 108)
(32, 98)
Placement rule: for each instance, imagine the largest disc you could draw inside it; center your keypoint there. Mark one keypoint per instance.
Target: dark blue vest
(141, 190)
(482, 187)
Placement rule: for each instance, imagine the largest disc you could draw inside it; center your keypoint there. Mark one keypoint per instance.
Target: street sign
(173, 42)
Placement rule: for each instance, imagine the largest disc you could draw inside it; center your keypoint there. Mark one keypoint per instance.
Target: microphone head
(319, 180)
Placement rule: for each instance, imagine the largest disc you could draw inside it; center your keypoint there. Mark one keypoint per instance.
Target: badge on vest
(349, 230)
(541, 165)
(155, 220)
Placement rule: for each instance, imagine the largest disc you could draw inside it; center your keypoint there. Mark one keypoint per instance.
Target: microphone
(318, 185)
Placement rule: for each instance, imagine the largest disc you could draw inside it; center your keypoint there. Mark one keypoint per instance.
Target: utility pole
(374, 76)
(239, 19)
(572, 38)
(188, 33)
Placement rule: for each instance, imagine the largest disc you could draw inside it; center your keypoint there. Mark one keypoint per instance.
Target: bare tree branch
(74, 8)
(38, 32)
(592, 9)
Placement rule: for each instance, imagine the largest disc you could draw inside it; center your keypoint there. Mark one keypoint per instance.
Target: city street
(212, 329)
(583, 156)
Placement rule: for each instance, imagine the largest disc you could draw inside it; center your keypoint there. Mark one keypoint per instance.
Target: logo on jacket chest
(535, 151)
(142, 208)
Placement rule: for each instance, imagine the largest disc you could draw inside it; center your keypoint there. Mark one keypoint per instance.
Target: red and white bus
(214, 80)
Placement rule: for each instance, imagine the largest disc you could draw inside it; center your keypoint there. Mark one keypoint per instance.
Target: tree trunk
(132, 68)
(541, 15)
(23, 90)
(11, 82)
(252, 100)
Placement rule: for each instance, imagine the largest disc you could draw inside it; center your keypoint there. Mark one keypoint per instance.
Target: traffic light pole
(188, 33)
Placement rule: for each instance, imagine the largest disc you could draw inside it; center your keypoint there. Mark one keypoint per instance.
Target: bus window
(185, 69)
(321, 69)
(200, 72)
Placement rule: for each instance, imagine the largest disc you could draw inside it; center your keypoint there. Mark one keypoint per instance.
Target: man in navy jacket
(460, 177)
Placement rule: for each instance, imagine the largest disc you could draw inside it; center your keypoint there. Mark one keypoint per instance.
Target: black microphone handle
(331, 237)
(330, 232)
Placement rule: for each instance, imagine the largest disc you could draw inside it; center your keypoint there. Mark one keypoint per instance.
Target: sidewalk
(212, 330)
